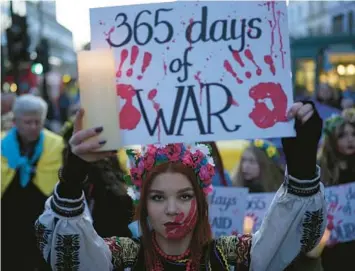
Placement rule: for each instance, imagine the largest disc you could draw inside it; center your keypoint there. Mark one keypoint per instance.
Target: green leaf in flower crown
(128, 180)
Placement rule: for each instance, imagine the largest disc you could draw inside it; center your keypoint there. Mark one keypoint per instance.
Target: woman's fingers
(84, 135)
(87, 146)
(293, 110)
(78, 121)
(302, 112)
(307, 116)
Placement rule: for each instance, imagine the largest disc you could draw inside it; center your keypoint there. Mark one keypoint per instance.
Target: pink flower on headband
(149, 161)
(187, 160)
(151, 150)
(204, 174)
(210, 169)
(197, 157)
(136, 175)
(173, 151)
(207, 190)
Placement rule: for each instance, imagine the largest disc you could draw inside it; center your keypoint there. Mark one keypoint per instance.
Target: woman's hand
(301, 151)
(80, 144)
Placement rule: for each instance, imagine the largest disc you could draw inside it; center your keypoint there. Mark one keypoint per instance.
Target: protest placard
(205, 71)
(227, 209)
(258, 204)
(341, 212)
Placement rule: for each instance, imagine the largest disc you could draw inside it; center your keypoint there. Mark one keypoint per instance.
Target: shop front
(329, 59)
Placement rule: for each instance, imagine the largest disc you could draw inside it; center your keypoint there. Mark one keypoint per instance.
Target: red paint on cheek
(186, 225)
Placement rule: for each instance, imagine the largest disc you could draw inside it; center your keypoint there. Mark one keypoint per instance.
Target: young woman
(169, 184)
(258, 169)
(337, 158)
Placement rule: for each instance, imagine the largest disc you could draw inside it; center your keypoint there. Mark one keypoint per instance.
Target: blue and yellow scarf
(10, 148)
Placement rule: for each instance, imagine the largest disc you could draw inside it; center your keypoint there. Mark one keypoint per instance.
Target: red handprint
(130, 116)
(262, 116)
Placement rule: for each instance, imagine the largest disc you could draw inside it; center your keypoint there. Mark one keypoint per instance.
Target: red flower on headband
(151, 150)
(149, 160)
(136, 175)
(187, 160)
(197, 157)
(210, 169)
(206, 173)
(173, 151)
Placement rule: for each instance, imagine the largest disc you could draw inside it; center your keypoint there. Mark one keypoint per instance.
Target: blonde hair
(271, 176)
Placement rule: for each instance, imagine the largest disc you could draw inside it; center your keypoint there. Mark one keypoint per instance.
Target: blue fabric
(10, 148)
(348, 94)
(217, 180)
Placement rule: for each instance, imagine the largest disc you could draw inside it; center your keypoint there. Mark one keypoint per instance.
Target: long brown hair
(330, 158)
(217, 158)
(271, 175)
(202, 233)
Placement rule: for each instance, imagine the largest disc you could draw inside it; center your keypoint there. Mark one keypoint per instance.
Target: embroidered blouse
(294, 224)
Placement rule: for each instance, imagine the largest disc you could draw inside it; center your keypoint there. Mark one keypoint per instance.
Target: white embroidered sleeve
(67, 239)
(294, 223)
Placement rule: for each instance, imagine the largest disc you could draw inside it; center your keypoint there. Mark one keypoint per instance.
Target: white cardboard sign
(198, 71)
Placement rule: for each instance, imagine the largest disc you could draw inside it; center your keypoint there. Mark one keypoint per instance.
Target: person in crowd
(328, 95)
(337, 159)
(7, 100)
(221, 177)
(258, 169)
(348, 99)
(106, 194)
(30, 159)
(337, 156)
(169, 185)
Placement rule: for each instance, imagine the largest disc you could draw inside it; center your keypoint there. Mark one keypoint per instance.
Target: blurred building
(42, 23)
(322, 43)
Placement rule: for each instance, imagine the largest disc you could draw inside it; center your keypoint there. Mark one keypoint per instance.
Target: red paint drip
(268, 60)
(273, 27)
(237, 58)
(134, 55)
(108, 34)
(232, 101)
(151, 96)
(129, 115)
(280, 40)
(229, 69)
(250, 56)
(248, 74)
(124, 55)
(165, 67)
(198, 79)
(147, 58)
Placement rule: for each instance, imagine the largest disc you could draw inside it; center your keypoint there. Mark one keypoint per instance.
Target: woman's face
(249, 166)
(325, 92)
(171, 205)
(346, 140)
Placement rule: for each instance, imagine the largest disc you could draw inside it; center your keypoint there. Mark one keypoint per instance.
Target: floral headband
(196, 156)
(348, 115)
(269, 148)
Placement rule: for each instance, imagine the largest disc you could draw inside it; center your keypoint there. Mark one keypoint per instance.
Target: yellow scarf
(46, 175)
